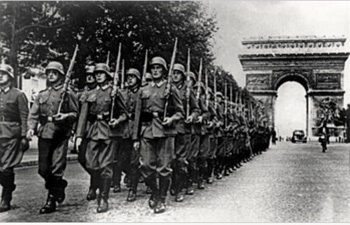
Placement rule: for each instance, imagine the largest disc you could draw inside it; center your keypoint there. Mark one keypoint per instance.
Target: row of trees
(33, 33)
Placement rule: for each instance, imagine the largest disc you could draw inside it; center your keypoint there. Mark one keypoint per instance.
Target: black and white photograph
(202, 111)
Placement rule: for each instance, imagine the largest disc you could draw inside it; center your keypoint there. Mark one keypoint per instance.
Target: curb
(35, 162)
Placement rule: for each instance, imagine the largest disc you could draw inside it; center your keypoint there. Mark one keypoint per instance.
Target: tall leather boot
(151, 182)
(179, 197)
(7, 181)
(94, 181)
(59, 189)
(104, 189)
(190, 177)
(134, 181)
(210, 169)
(50, 205)
(117, 176)
(164, 183)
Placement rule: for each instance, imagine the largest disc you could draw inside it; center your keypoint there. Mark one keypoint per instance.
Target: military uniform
(157, 141)
(102, 140)
(183, 138)
(13, 128)
(53, 137)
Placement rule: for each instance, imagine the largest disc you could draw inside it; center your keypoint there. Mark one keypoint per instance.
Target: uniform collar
(159, 84)
(180, 85)
(5, 89)
(104, 87)
(135, 89)
(57, 87)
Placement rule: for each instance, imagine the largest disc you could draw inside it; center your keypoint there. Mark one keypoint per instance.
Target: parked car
(299, 136)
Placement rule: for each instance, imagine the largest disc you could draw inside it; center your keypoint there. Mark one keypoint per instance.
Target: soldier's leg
(134, 174)
(165, 151)
(117, 165)
(148, 165)
(192, 160)
(211, 159)
(82, 154)
(202, 160)
(182, 146)
(105, 159)
(92, 164)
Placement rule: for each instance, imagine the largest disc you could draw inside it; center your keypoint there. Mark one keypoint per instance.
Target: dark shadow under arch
(299, 78)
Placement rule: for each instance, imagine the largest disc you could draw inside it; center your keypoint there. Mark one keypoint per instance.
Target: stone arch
(292, 76)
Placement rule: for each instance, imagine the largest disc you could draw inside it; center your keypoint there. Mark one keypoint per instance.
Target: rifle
(107, 61)
(144, 70)
(168, 87)
(123, 75)
(206, 88)
(198, 94)
(188, 89)
(138, 105)
(215, 89)
(115, 80)
(225, 102)
(67, 78)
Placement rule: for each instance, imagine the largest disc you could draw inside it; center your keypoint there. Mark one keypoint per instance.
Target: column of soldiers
(165, 127)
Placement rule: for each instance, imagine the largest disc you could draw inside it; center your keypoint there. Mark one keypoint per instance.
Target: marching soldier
(157, 133)
(222, 140)
(54, 132)
(184, 128)
(102, 135)
(90, 84)
(128, 156)
(13, 128)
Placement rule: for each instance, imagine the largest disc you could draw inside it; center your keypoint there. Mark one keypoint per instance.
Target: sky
(243, 19)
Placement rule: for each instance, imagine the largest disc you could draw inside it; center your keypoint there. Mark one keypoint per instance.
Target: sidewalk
(30, 157)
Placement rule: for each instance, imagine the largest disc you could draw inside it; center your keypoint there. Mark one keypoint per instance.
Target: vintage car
(298, 136)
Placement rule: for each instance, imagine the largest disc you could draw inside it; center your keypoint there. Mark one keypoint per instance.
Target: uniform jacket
(130, 97)
(13, 113)
(96, 110)
(181, 126)
(46, 105)
(153, 99)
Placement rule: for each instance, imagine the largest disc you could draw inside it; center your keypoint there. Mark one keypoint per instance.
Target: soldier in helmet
(103, 134)
(183, 127)
(90, 84)
(54, 132)
(13, 127)
(219, 133)
(157, 134)
(126, 157)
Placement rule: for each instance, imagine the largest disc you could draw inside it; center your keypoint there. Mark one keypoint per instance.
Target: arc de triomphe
(317, 63)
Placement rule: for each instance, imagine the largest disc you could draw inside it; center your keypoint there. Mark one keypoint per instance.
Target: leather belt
(8, 119)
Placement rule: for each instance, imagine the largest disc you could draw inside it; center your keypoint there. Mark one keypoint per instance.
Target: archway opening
(290, 109)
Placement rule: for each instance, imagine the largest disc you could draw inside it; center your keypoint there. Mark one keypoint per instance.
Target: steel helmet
(179, 67)
(102, 67)
(200, 85)
(7, 69)
(89, 69)
(55, 66)
(159, 61)
(133, 71)
(148, 77)
(219, 94)
(191, 75)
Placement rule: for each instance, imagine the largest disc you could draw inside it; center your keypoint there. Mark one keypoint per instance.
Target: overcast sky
(244, 19)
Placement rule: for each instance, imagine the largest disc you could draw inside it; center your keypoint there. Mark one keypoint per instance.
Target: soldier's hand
(189, 119)
(60, 116)
(113, 123)
(200, 119)
(78, 141)
(167, 121)
(24, 144)
(30, 134)
(136, 145)
(210, 124)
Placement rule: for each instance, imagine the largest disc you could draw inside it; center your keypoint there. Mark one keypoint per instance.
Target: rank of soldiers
(163, 126)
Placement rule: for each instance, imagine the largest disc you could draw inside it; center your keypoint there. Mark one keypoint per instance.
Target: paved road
(288, 183)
